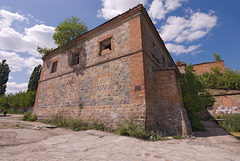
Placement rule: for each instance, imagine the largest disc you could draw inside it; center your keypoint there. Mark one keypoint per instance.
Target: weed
(28, 116)
(178, 136)
(231, 122)
(131, 128)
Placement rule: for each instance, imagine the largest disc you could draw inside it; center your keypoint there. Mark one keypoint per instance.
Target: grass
(126, 128)
(133, 129)
(231, 122)
(178, 136)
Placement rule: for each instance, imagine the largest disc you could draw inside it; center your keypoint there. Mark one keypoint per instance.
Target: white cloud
(13, 87)
(11, 40)
(179, 49)
(112, 8)
(180, 29)
(10, 77)
(159, 8)
(17, 63)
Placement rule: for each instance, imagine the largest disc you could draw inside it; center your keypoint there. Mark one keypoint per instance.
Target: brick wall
(227, 102)
(100, 87)
(206, 67)
(121, 83)
(162, 84)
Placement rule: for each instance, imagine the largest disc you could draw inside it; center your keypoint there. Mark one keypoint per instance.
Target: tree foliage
(18, 100)
(34, 78)
(4, 72)
(44, 50)
(68, 30)
(216, 79)
(195, 96)
(216, 57)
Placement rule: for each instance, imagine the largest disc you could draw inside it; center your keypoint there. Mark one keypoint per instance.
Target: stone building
(117, 71)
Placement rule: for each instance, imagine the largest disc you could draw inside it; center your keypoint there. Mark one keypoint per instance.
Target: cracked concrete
(20, 140)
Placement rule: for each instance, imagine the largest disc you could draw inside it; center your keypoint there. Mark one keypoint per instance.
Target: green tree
(4, 72)
(195, 96)
(216, 57)
(44, 50)
(33, 82)
(68, 30)
(216, 79)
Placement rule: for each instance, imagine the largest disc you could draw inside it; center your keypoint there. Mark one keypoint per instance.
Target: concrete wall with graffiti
(227, 102)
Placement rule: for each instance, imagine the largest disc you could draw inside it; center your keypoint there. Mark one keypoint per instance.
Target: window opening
(105, 46)
(54, 67)
(75, 59)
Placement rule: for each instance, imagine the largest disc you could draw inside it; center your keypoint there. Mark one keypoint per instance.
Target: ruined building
(119, 70)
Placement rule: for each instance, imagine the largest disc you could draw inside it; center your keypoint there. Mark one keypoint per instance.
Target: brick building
(119, 70)
(227, 101)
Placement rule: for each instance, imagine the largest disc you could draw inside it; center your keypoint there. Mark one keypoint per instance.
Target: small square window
(75, 59)
(54, 67)
(105, 46)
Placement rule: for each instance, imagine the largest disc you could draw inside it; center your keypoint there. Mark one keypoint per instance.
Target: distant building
(117, 71)
(227, 100)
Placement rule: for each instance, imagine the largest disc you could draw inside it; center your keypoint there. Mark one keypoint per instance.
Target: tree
(216, 79)
(33, 81)
(216, 57)
(195, 96)
(44, 50)
(68, 30)
(4, 72)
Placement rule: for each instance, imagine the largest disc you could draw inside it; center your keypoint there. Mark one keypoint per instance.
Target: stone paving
(20, 140)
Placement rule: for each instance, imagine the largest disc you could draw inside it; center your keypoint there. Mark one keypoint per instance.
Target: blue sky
(191, 29)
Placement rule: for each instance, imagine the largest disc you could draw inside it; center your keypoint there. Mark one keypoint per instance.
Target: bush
(28, 116)
(195, 97)
(231, 122)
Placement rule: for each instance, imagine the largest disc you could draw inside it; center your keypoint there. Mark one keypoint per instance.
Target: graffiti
(227, 110)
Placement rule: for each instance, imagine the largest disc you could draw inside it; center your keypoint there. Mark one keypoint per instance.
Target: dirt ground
(21, 140)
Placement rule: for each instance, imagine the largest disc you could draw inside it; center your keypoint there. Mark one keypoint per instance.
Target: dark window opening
(105, 46)
(54, 67)
(75, 59)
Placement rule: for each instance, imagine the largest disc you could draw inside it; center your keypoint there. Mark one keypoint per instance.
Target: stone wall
(108, 88)
(172, 117)
(162, 113)
(227, 102)
(123, 82)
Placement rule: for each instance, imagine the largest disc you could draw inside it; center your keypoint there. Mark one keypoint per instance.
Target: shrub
(28, 116)
(195, 97)
(231, 122)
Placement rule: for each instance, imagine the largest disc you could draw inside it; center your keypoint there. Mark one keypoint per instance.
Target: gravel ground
(21, 140)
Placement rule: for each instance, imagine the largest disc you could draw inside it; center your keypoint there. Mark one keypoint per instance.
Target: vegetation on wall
(216, 79)
(195, 96)
(68, 30)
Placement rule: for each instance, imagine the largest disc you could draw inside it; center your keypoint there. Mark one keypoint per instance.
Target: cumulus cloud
(112, 8)
(17, 63)
(179, 49)
(180, 29)
(159, 8)
(13, 87)
(27, 41)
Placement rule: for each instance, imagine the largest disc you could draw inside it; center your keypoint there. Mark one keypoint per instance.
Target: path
(21, 140)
